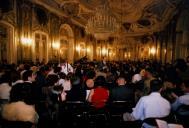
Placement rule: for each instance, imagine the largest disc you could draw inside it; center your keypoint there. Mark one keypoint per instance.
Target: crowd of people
(31, 92)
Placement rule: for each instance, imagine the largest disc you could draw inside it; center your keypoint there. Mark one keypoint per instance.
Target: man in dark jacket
(122, 92)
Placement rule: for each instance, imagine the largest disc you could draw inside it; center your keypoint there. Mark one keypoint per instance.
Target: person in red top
(100, 94)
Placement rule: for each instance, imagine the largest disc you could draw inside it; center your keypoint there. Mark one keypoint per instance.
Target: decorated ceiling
(137, 17)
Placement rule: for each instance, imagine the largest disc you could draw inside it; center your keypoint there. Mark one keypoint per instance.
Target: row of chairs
(82, 114)
(112, 114)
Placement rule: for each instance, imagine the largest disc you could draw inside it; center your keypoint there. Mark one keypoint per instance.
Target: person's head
(21, 67)
(70, 75)
(121, 81)
(149, 73)
(15, 76)
(136, 78)
(34, 68)
(57, 69)
(100, 81)
(5, 78)
(62, 75)
(29, 76)
(155, 85)
(52, 80)
(22, 92)
(26, 67)
(180, 65)
(45, 70)
(185, 86)
(90, 83)
(90, 74)
(111, 78)
(169, 84)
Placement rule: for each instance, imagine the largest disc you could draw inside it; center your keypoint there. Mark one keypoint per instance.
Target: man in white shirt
(66, 67)
(153, 105)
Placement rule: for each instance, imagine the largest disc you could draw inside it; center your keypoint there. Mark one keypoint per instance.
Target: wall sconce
(129, 54)
(88, 49)
(78, 48)
(152, 51)
(104, 51)
(56, 45)
(26, 41)
(125, 55)
(165, 50)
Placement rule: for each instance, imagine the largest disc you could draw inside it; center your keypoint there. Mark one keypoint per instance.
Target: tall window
(64, 44)
(40, 47)
(66, 39)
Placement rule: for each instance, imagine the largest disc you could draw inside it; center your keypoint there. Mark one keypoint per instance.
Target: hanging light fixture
(102, 25)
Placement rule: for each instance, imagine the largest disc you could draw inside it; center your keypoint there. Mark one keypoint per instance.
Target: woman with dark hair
(100, 94)
(21, 106)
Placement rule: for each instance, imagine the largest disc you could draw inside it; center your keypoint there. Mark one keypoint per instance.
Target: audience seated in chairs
(21, 108)
(101, 104)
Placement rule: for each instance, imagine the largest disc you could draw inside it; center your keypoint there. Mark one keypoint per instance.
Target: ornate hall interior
(94, 63)
(53, 30)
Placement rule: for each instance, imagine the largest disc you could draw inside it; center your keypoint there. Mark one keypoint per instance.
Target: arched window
(40, 47)
(66, 43)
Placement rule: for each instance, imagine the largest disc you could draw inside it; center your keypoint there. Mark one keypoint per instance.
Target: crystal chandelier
(102, 25)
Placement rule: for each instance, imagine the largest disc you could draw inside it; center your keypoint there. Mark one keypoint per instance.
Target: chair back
(183, 110)
(151, 122)
(120, 107)
(72, 113)
(16, 124)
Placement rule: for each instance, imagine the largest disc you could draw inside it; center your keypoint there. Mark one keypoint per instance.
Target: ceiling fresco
(137, 17)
